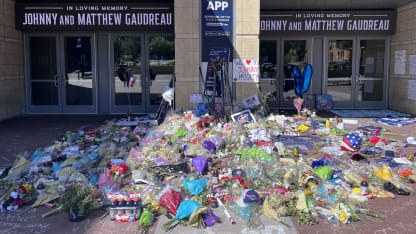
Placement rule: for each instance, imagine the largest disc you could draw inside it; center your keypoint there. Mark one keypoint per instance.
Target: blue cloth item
(372, 151)
(304, 142)
(201, 110)
(389, 153)
(396, 121)
(186, 208)
(195, 187)
(387, 162)
(369, 113)
(324, 161)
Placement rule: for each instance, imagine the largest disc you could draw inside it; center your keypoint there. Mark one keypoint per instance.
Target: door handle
(357, 79)
(55, 77)
(65, 81)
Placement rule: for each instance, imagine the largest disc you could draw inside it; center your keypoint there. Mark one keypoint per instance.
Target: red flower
(113, 168)
(23, 189)
(123, 168)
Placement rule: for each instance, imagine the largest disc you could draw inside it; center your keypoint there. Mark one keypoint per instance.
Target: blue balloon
(302, 80)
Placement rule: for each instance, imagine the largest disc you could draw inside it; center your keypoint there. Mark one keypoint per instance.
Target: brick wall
(186, 51)
(247, 42)
(404, 39)
(11, 63)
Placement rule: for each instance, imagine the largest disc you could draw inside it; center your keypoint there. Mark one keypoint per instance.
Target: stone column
(11, 63)
(404, 39)
(247, 41)
(186, 51)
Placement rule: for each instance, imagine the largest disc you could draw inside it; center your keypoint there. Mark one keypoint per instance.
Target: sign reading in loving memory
(246, 70)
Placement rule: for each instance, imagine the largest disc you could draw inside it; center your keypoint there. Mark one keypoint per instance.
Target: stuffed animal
(15, 201)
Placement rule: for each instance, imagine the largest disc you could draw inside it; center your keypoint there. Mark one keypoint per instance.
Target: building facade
(112, 57)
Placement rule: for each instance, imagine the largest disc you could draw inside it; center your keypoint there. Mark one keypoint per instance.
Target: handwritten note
(411, 95)
(412, 64)
(400, 62)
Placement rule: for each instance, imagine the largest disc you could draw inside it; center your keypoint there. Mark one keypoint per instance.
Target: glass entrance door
(160, 69)
(42, 74)
(143, 66)
(127, 83)
(78, 79)
(356, 72)
(340, 75)
(295, 52)
(277, 58)
(269, 70)
(59, 74)
(371, 75)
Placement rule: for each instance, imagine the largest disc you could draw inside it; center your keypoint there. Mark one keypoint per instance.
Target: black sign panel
(217, 26)
(122, 16)
(328, 22)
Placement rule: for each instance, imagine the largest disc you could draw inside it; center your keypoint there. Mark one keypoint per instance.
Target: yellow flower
(308, 192)
(94, 192)
(287, 175)
(303, 128)
(343, 216)
(155, 205)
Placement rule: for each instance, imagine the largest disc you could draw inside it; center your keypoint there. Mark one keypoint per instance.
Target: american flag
(351, 142)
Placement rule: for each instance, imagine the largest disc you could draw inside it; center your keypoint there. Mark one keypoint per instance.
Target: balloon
(302, 81)
(298, 103)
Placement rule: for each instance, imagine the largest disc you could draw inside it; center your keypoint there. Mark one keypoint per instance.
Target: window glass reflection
(340, 70)
(161, 66)
(78, 71)
(295, 53)
(127, 68)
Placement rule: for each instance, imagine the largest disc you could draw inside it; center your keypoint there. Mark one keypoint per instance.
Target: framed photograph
(324, 102)
(251, 102)
(243, 117)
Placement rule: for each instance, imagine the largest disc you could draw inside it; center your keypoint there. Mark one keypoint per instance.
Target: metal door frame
(91, 109)
(276, 103)
(151, 108)
(354, 103)
(60, 108)
(344, 104)
(383, 102)
(40, 109)
(283, 104)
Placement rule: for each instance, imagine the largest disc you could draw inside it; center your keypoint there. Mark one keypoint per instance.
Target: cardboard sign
(246, 70)
(221, 192)
(196, 98)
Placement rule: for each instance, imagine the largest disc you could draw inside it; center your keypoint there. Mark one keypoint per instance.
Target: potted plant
(78, 199)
